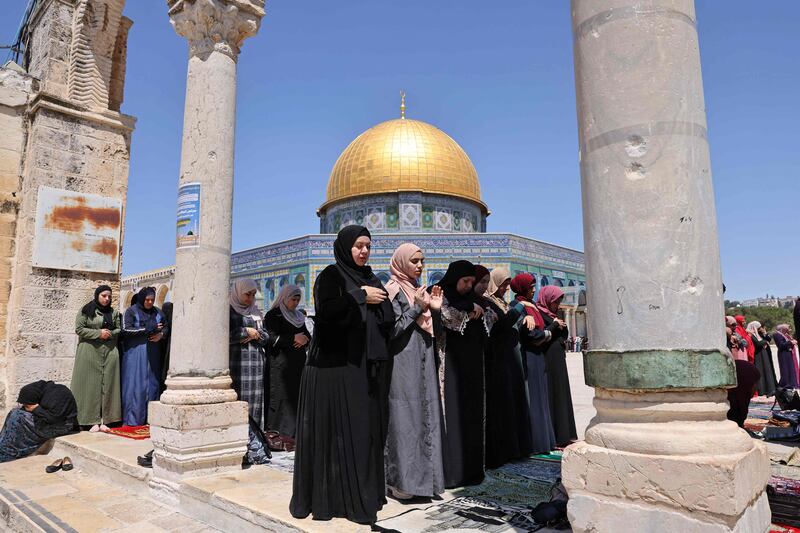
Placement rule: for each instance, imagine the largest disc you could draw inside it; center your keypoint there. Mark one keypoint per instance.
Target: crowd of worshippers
(401, 389)
(409, 390)
(750, 346)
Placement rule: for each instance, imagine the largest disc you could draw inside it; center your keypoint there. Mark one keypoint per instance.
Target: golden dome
(403, 155)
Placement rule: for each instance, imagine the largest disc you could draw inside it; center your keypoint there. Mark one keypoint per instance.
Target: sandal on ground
(66, 464)
(145, 460)
(55, 466)
(95, 428)
(103, 428)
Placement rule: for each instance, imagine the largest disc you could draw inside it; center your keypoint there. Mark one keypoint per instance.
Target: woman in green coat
(95, 376)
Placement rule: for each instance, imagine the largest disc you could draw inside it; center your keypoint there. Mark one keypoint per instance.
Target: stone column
(198, 427)
(660, 455)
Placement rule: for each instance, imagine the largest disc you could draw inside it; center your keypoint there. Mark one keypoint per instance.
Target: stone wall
(15, 86)
(64, 142)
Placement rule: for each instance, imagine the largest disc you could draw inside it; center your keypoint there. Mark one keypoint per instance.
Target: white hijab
(295, 318)
(240, 288)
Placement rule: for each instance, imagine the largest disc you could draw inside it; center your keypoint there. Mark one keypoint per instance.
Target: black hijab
(57, 412)
(142, 295)
(32, 393)
(455, 271)
(94, 306)
(355, 277)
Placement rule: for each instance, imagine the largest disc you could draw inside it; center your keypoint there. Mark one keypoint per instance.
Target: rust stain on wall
(71, 216)
(107, 247)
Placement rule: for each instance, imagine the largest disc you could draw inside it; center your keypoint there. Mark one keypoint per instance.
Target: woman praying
(555, 356)
(508, 428)
(95, 375)
(342, 414)
(247, 354)
(47, 410)
(289, 340)
(414, 444)
(763, 359)
(143, 328)
(461, 345)
(533, 337)
(787, 357)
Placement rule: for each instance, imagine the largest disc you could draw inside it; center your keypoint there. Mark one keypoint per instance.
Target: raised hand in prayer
(421, 298)
(529, 323)
(300, 339)
(375, 295)
(435, 298)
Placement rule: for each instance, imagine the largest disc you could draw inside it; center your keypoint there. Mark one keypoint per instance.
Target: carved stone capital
(216, 25)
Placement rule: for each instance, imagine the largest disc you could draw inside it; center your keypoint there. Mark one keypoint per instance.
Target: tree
(768, 316)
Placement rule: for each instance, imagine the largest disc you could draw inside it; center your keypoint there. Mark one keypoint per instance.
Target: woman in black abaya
(462, 342)
(343, 407)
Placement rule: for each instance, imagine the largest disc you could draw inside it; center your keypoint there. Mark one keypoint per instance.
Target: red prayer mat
(779, 528)
(131, 432)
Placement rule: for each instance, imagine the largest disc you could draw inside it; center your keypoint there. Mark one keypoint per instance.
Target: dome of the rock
(403, 155)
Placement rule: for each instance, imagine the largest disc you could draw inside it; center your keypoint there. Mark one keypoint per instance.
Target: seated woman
(47, 411)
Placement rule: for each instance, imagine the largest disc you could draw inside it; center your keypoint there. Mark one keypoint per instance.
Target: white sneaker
(94, 429)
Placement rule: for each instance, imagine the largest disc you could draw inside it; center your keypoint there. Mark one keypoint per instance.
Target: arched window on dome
(435, 277)
(300, 281)
(544, 281)
(557, 282)
(571, 283)
(269, 293)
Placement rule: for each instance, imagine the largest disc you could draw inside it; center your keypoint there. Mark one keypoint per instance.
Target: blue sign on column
(188, 224)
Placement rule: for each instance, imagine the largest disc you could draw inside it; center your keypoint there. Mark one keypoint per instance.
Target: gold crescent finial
(402, 104)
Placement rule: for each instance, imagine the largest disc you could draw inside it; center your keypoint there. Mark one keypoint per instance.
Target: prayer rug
(131, 432)
(283, 461)
(780, 528)
(462, 514)
(523, 483)
(784, 500)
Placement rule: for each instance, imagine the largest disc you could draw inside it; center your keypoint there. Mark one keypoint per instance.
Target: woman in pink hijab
(561, 413)
(413, 458)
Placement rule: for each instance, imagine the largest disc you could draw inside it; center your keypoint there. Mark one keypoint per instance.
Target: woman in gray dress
(413, 454)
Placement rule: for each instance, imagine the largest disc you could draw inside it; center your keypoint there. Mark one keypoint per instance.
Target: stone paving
(75, 501)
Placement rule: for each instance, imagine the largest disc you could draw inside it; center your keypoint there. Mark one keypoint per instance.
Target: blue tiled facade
(299, 261)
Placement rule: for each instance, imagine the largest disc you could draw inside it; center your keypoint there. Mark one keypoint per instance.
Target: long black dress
(767, 382)
(508, 429)
(463, 397)
(343, 412)
(555, 357)
(285, 370)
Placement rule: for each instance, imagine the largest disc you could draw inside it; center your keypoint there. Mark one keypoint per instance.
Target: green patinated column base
(659, 369)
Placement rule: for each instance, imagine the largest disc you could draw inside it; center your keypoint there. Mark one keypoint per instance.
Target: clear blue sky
(499, 80)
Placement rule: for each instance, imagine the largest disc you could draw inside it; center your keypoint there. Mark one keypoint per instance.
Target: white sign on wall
(77, 231)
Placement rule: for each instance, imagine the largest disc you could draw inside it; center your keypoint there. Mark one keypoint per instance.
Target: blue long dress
(141, 363)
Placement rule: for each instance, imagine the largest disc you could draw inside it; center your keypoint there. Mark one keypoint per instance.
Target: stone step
(32, 500)
(108, 457)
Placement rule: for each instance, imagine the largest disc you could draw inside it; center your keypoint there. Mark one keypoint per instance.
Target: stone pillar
(198, 427)
(660, 455)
